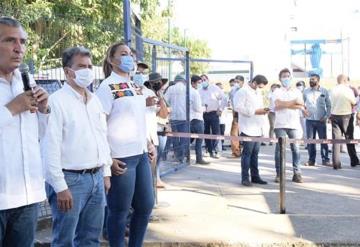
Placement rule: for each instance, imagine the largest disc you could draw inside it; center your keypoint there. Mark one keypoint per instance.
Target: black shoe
(353, 164)
(297, 178)
(277, 179)
(202, 162)
(263, 144)
(246, 183)
(258, 181)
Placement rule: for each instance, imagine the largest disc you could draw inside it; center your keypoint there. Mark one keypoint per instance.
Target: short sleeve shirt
(125, 105)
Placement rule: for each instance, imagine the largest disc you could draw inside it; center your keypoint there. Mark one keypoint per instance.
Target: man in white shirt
(235, 84)
(196, 116)
(77, 155)
(343, 100)
(21, 172)
(248, 102)
(175, 96)
(211, 98)
(288, 103)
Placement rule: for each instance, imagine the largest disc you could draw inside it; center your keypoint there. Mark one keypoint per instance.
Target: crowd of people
(100, 151)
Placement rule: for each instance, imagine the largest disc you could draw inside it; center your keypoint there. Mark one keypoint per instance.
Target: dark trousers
(343, 125)
(249, 160)
(319, 127)
(197, 127)
(212, 126)
(18, 226)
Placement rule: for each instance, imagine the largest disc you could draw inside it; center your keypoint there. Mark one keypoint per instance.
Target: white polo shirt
(75, 138)
(21, 170)
(287, 118)
(125, 106)
(246, 102)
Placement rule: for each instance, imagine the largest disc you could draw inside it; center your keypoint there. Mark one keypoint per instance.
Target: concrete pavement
(208, 206)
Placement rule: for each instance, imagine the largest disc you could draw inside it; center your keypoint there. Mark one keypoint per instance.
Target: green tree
(53, 25)
(198, 49)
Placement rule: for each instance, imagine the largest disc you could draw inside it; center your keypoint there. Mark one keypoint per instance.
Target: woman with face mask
(131, 150)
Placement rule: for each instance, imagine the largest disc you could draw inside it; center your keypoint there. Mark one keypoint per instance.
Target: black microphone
(24, 70)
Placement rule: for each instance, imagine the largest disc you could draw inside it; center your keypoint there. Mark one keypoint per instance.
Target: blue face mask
(205, 84)
(286, 82)
(126, 63)
(139, 79)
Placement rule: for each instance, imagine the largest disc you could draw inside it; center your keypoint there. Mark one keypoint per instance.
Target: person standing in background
(318, 110)
(236, 83)
(343, 100)
(271, 114)
(224, 105)
(196, 116)
(211, 98)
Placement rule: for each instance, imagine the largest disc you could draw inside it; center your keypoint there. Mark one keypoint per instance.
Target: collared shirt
(232, 94)
(271, 100)
(211, 98)
(175, 96)
(246, 102)
(21, 170)
(151, 119)
(196, 108)
(317, 103)
(342, 100)
(75, 138)
(287, 118)
(125, 105)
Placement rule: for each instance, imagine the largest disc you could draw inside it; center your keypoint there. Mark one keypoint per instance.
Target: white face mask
(84, 77)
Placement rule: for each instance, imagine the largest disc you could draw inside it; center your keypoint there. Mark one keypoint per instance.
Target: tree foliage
(53, 25)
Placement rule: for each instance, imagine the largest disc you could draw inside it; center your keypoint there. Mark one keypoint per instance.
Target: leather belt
(91, 171)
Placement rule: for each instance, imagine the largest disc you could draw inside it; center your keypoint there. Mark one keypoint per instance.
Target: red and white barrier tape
(258, 139)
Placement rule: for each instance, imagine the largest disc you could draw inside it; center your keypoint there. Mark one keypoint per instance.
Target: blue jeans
(197, 127)
(295, 150)
(18, 226)
(313, 127)
(212, 126)
(81, 225)
(181, 145)
(249, 160)
(134, 188)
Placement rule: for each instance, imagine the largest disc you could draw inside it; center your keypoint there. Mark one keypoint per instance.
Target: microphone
(24, 70)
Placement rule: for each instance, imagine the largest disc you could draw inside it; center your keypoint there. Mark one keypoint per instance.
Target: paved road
(207, 205)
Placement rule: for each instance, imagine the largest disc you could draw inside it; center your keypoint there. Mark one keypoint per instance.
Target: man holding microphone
(21, 176)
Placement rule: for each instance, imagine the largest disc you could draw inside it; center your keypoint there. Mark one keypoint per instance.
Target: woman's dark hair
(286, 70)
(107, 67)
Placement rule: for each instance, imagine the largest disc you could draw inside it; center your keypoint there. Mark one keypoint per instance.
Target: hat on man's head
(156, 77)
(179, 78)
(142, 65)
